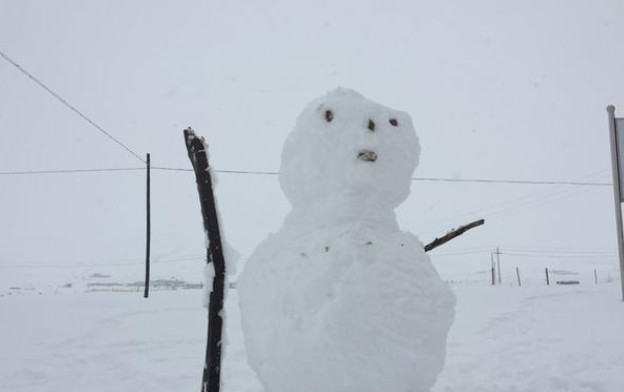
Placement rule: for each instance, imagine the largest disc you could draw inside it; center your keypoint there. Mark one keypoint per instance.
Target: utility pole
(492, 269)
(498, 264)
(616, 143)
(148, 227)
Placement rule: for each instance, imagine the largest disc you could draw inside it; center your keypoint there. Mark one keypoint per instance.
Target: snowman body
(340, 299)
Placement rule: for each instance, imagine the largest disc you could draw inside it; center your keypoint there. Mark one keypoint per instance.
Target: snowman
(340, 299)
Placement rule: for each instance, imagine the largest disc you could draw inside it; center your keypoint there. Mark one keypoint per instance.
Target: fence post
(518, 275)
(547, 277)
(197, 151)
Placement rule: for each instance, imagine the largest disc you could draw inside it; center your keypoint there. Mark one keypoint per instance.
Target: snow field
(504, 339)
(536, 339)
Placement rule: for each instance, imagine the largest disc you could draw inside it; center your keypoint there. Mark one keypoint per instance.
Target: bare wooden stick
(453, 234)
(196, 147)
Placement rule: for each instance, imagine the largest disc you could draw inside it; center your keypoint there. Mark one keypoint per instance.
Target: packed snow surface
(504, 339)
(339, 299)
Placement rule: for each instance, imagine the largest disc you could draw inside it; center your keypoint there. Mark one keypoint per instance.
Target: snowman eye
(371, 125)
(329, 115)
(394, 122)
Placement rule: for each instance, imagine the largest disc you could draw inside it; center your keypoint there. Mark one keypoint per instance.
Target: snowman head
(345, 145)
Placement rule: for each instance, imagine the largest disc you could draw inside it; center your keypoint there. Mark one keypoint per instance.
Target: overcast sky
(496, 89)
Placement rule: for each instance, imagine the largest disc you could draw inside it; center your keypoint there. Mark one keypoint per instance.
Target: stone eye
(394, 122)
(371, 125)
(329, 115)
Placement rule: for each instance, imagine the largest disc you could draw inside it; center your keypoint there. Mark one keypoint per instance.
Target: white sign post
(616, 130)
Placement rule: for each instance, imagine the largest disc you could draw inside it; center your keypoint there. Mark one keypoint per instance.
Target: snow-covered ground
(532, 338)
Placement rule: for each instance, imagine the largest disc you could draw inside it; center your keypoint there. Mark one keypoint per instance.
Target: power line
(68, 265)
(460, 180)
(171, 169)
(33, 172)
(558, 256)
(99, 264)
(527, 201)
(535, 252)
(455, 254)
(519, 182)
(68, 105)
(540, 202)
(433, 179)
(561, 252)
(558, 253)
(256, 172)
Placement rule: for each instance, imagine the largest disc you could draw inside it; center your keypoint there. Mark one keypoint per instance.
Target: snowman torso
(339, 299)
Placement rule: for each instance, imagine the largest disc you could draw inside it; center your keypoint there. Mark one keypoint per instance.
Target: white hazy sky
(496, 89)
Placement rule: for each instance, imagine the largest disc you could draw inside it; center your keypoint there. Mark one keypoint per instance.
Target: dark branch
(452, 234)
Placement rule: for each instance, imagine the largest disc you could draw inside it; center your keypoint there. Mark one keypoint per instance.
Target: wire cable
(433, 179)
(554, 256)
(579, 252)
(68, 105)
(100, 264)
(519, 182)
(33, 172)
(519, 203)
(171, 169)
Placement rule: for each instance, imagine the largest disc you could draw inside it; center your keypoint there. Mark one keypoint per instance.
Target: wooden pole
(492, 269)
(518, 275)
(197, 151)
(547, 277)
(595, 277)
(148, 228)
(615, 164)
(498, 265)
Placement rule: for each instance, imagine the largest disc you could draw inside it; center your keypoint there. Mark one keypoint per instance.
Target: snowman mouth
(367, 156)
